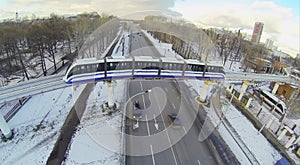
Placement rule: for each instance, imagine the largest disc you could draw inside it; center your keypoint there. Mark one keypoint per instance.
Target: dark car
(137, 104)
(175, 120)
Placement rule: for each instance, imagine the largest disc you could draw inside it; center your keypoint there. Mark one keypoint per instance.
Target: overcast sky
(280, 17)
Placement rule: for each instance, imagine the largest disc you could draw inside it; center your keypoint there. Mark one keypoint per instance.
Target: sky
(280, 17)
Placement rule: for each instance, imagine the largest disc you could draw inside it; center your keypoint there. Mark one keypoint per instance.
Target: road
(155, 141)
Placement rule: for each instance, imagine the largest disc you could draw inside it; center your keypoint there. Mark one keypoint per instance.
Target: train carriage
(88, 70)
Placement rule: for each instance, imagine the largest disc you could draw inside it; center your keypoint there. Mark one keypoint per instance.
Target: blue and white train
(144, 67)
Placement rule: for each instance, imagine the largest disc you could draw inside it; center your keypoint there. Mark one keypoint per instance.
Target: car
(137, 113)
(174, 120)
(137, 104)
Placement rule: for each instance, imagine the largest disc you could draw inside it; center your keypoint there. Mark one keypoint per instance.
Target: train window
(112, 65)
(93, 68)
(100, 67)
(71, 73)
(201, 68)
(212, 69)
(146, 64)
(76, 70)
(189, 67)
(154, 64)
(174, 66)
(83, 69)
(209, 69)
(170, 66)
(150, 65)
(195, 68)
(124, 65)
(138, 65)
(179, 67)
(88, 68)
(165, 66)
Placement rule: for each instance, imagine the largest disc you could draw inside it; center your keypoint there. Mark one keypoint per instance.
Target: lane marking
(141, 85)
(173, 105)
(166, 89)
(143, 97)
(152, 155)
(199, 162)
(155, 123)
(167, 134)
(147, 125)
(184, 130)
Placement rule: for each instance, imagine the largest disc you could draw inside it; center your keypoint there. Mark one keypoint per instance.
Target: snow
(257, 143)
(37, 124)
(98, 134)
(6, 107)
(164, 49)
(119, 47)
(36, 127)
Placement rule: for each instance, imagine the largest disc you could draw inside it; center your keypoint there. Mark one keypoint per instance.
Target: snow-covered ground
(256, 142)
(36, 127)
(164, 49)
(264, 152)
(37, 124)
(37, 71)
(99, 134)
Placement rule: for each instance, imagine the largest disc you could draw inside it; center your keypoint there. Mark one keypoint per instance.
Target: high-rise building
(257, 31)
(269, 44)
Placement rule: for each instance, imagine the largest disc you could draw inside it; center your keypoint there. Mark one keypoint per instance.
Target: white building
(269, 44)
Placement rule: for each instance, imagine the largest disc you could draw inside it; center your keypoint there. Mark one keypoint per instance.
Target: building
(257, 31)
(280, 54)
(269, 44)
(287, 91)
(259, 65)
(278, 66)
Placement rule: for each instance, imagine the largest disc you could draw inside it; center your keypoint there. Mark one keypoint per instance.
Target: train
(141, 67)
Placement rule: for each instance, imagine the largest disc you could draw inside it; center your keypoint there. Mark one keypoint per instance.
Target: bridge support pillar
(204, 91)
(290, 142)
(243, 89)
(230, 88)
(5, 128)
(270, 122)
(275, 88)
(284, 131)
(110, 94)
(248, 103)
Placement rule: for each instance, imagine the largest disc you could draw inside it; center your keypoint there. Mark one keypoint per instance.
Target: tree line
(26, 45)
(192, 42)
